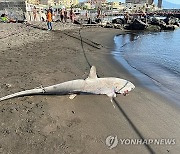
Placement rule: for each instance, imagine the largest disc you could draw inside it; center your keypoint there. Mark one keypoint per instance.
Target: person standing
(65, 15)
(72, 15)
(49, 19)
(126, 17)
(62, 14)
(87, 15)
(35, 13)
(98, 12)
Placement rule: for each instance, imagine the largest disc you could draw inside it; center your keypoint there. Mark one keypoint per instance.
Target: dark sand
(56, 124)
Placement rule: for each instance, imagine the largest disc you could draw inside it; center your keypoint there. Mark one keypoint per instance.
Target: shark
(110, 86)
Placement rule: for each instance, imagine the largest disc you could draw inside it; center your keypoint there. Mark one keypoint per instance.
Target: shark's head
(124, 87)
(121, 86)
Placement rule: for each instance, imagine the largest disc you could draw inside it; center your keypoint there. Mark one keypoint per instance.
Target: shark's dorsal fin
(92, 74)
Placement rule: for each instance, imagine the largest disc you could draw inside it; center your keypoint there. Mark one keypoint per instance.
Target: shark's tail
(23, 93)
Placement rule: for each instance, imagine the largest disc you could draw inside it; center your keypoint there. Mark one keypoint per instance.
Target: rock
(91, 22)
(118, 21)
(108, 25)
(103, 24)
(158, 22)
(73, 112)
(154, 21)
(118, 26)
(137, 25)
(97, 20)
(153, 28)
(171, 20)
(178, 24)
(77, 22)
(6, 86)
(168, 27)
(167, 24)
(176, 27)
(20, 21)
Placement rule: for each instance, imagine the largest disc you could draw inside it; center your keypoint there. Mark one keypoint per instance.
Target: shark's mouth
(120, 91)
(125, 92)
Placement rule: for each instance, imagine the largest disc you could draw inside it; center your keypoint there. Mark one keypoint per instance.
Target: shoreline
(56, 124)
(127, 71)
(145, 79)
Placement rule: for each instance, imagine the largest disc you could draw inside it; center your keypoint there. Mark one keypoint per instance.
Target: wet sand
(56, 124)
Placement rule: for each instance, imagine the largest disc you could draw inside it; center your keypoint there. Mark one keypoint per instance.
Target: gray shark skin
(109, 86)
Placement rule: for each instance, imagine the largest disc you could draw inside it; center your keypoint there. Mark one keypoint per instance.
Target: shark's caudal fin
(92, 74)
(22, 93)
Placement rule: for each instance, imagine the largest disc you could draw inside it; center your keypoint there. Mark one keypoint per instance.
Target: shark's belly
(98, 87)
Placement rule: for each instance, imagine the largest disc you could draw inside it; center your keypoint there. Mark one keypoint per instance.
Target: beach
(34, 57)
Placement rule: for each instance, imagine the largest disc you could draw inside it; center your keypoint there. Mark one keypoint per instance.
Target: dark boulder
(137, 25)
(118, 26)
(20, 21)
(153, 28)
(108, 25)
(118, 21)
(77, 22)
(158, 22)
(98, 20)
(171, 20)
(168, 27)
(177, 24)
(167, 24)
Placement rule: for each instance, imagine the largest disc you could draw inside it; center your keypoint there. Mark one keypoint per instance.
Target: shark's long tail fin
(23, 93)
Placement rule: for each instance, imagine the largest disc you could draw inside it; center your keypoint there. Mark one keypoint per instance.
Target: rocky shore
(148, 24)
(31, 57)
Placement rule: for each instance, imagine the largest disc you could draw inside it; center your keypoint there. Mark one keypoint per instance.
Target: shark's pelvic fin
(72, 96)
(92, 74)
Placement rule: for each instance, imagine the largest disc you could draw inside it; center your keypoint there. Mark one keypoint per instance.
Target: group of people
(63, 16)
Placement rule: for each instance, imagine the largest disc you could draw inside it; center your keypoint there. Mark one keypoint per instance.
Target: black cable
(151, 151)
(83, 49)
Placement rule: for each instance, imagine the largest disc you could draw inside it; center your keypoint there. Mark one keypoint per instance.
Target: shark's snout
(126, 88)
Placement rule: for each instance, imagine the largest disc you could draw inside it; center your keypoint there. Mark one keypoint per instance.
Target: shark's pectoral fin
(72, 96)
(92, 74)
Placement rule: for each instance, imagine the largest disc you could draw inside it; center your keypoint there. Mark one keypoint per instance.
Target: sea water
(154, 58)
